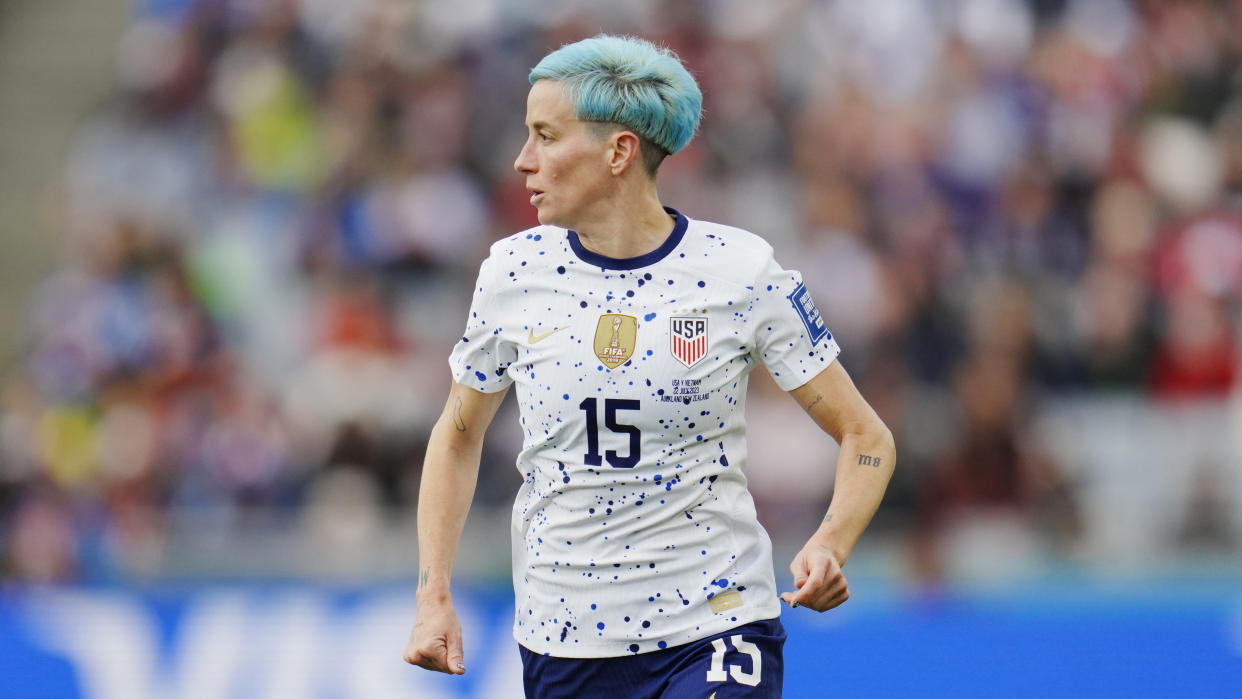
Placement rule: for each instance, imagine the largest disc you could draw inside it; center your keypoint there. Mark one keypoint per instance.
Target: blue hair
(628, 81)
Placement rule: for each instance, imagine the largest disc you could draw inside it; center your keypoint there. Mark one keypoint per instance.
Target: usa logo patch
(805, 306)
(688, 339)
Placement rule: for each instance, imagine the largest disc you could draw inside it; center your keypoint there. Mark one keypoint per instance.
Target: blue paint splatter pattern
(617, 552)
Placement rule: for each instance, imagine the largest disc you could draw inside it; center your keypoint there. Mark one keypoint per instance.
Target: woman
(629, 329)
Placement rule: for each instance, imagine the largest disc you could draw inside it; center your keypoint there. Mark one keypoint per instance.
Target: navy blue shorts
(742, 662)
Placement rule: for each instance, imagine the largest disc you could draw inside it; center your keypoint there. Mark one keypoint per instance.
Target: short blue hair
(628, 81)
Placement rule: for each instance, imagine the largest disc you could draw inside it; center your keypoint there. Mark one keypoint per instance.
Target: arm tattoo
(865, 460)
(818, 398)
(459, 423)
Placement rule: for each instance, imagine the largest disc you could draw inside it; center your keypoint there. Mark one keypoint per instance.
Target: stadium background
(239, 236)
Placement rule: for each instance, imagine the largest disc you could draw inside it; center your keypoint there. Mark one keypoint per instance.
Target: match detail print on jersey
(688, 339)
(615, 338)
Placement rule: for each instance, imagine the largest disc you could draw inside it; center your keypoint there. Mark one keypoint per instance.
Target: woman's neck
(625, 230)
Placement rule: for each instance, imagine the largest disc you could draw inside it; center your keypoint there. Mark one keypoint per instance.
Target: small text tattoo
(819, 397)
(865, 460)
(459, 423)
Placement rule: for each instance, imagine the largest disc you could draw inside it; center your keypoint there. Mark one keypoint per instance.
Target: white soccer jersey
(633, 529)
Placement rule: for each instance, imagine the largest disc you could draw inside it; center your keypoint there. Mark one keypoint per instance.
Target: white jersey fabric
(633, 530)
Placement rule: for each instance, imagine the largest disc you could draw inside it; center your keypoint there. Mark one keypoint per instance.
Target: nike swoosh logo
(532, 338)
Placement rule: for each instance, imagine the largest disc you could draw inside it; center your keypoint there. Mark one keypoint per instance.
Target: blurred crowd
(271, 230)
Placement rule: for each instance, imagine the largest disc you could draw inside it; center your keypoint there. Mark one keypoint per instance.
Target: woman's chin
(548, 217)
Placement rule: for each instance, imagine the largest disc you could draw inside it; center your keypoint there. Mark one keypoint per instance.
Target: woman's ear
(623, 153)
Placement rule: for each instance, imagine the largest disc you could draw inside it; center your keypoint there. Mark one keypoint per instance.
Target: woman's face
(566, 165)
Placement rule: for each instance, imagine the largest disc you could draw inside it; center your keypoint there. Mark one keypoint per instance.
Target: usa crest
(688, 339)
(615, 337)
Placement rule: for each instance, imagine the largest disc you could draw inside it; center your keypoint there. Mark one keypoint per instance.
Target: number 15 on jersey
(612, 406)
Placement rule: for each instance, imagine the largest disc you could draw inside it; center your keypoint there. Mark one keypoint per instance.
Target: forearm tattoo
(459, 423)
(819, 397)
(865, 460)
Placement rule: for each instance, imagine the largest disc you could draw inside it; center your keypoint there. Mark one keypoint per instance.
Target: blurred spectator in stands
(994, 499)
(41, 545)
(1198, 264)
(1111, 310)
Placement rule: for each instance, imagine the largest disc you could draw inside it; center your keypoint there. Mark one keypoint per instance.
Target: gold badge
(725, 601)
(615, 337)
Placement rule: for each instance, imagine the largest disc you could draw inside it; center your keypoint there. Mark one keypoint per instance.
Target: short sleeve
(790, 337)
(482, 357)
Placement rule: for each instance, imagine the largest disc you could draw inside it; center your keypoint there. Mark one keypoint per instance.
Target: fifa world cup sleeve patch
(805, 307)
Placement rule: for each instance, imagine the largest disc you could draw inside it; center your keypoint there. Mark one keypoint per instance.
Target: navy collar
(594, 258)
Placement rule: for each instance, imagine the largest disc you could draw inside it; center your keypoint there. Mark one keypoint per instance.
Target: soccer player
(629, 329)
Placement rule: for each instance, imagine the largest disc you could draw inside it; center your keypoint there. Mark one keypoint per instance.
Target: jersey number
(611, 406)
(717, 672)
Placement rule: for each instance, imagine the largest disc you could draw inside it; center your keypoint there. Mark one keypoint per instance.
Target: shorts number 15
(717, 672)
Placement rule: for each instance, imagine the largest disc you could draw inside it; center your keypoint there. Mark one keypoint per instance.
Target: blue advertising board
(252, 641)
